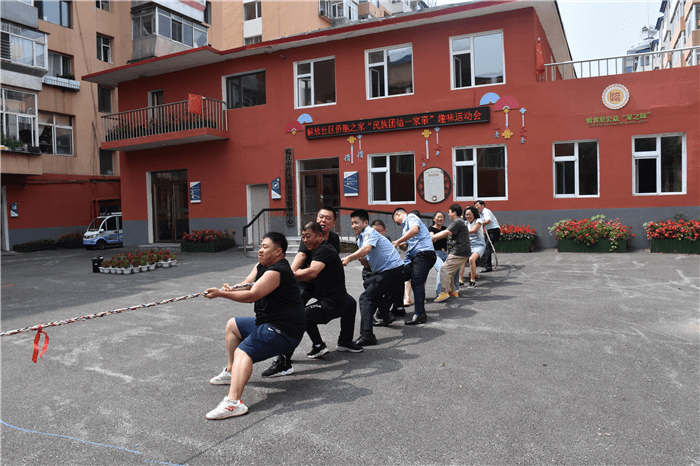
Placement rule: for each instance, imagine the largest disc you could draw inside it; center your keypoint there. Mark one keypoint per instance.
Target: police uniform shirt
(422, 241)
(383, 256)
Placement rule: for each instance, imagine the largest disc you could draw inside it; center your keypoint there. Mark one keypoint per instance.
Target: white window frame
(101, 39)
(574, 158)
(37, 39)
(471, 37)
(386, 171)
(475, 174)
(258, 9)
(102, 5)
(368, 76)
(62, 71)
(311, 76)
(31, 116)
(224, 87)
(55, 125)
(657, 155)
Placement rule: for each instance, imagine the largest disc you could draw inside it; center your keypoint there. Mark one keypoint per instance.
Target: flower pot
(159, 264)
(603, 245)
(144, 268)
(112, 270)
(151, 266)
(136, 269)
(674, 246)
(188, 246)
(126, 270)
(518, 245)
(164, 264)
(119, 270)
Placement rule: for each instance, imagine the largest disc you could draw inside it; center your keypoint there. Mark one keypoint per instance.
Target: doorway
(170, 205)
(258, 199)
(319, 184)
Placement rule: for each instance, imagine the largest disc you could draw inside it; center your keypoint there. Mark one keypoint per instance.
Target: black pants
(378, 288)
(495, 235)
(390, 302)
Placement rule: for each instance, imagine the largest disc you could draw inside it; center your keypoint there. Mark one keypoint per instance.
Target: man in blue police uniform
(387, 273)
(420, 258)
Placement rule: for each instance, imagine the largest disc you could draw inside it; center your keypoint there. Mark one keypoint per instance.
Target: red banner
(194, 103)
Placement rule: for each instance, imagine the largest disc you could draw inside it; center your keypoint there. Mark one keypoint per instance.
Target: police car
(103, 231)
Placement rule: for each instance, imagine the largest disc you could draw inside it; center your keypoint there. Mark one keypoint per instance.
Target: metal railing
(622, 64)
(260, 225)
(161, 119)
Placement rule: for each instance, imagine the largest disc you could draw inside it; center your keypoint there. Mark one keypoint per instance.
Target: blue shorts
(264, 341)
(479, 250)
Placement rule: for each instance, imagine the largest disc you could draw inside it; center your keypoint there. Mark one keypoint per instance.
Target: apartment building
(679, 28)
(419, 110)
(55, 175)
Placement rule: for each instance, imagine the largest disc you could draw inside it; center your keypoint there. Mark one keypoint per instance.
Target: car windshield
(96, 224)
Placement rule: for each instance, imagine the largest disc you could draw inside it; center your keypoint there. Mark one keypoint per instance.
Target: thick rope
(116, 311)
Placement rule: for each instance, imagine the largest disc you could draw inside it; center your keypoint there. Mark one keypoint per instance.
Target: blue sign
(351, 184)
(276, 191)
(195, 192)
(13, 210)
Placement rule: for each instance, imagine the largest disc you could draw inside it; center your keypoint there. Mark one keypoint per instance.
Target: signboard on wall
(13, 210)
(399, 122)
(288, 194)
(195, 192)
(351, 184)
(276, 191)
(434, 185)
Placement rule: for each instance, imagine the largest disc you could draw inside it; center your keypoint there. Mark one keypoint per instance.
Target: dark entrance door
(319, 188)
(170, 205)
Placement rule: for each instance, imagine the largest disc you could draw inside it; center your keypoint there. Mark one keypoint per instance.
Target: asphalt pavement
(554, 358)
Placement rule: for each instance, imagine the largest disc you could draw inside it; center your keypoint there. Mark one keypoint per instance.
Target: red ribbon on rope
(36, 344)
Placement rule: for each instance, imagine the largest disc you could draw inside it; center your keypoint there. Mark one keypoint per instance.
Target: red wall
(556, 111)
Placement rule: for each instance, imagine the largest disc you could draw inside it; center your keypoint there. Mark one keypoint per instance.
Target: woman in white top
(476, 241)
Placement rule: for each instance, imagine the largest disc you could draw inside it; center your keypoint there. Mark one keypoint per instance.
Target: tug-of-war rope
(39, 328)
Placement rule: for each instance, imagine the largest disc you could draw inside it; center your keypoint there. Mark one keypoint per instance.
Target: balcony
(165, 125)
(623, 64)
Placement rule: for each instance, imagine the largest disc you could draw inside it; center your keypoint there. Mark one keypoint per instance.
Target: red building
(430, 108)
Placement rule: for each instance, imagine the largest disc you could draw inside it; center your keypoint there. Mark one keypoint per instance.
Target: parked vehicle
(105, 230)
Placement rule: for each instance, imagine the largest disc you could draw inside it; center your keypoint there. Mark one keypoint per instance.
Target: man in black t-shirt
(326, 218)
(326, 282)
(277, 327)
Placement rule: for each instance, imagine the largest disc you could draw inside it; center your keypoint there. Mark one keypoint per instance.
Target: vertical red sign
(194, 103)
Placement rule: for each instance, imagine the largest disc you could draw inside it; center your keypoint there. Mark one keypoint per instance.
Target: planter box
(208, 247)
(518, 245)
(569, 245)
(674, 246)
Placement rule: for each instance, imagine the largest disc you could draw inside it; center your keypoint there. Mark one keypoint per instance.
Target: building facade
(55, 176)
(420, 111)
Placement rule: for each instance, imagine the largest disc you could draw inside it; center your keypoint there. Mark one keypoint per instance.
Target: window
(55, 134)
(157, 21)
(252, 10)
(207, 13)
(102, 5)
(59, 65)
(245, 90)
(252, 40)
(659, 164)
(576, 169)
(392, 179)
(389, 71)
(103, 49)
(104, 99)
(22, 45)
(106, 162)
(315, 82)
(56, 12)
(19, 116)
(480, 172)
(477, 60)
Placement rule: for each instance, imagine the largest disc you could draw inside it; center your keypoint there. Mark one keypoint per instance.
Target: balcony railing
(622, 64)
(163, 119)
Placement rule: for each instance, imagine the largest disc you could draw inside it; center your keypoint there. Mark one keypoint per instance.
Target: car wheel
(101, 245)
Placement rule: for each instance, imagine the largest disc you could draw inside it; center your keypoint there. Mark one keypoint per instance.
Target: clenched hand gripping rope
(39, 328)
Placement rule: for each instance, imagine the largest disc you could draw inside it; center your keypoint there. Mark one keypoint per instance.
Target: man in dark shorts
(326, 218)
(277, 327)
(326, 283)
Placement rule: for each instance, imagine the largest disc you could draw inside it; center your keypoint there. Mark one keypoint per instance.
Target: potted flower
(133, 262)
(207, 240)
(591, 235)
(152, 258)
(518, 238)
(680, 236)
(143, 262)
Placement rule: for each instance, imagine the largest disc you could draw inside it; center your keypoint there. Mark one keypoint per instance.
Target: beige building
(679, 28)
(55, 178)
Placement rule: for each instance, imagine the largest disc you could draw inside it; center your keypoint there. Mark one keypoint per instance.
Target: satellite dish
(648, 32)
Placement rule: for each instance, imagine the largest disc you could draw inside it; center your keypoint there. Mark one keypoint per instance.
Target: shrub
(38, 245)
(207, 236)
(688, 230)
(514, 233)
(70, 241)
(589, 232)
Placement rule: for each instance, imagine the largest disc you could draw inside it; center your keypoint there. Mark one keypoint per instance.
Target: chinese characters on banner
(400, 122)
(616, 120)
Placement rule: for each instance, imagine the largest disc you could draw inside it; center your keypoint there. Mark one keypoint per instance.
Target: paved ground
(554, 358)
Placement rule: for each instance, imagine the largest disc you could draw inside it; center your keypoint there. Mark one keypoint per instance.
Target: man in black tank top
(277, 327)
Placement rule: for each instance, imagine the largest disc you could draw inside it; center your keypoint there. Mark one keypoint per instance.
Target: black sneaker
(279, 367)
(472, 284)
(348, 346)
(399, 312)
(366, 340)
(317, 351)
(384, 321)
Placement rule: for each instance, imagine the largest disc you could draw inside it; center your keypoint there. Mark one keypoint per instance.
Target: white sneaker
(222, 379)
(227, 408)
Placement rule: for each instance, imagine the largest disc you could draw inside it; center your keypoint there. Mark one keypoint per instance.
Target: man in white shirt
(493, 229)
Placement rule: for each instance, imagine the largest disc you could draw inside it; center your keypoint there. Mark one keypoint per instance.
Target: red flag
(37, 338)
(539, 66)
(194, 103)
